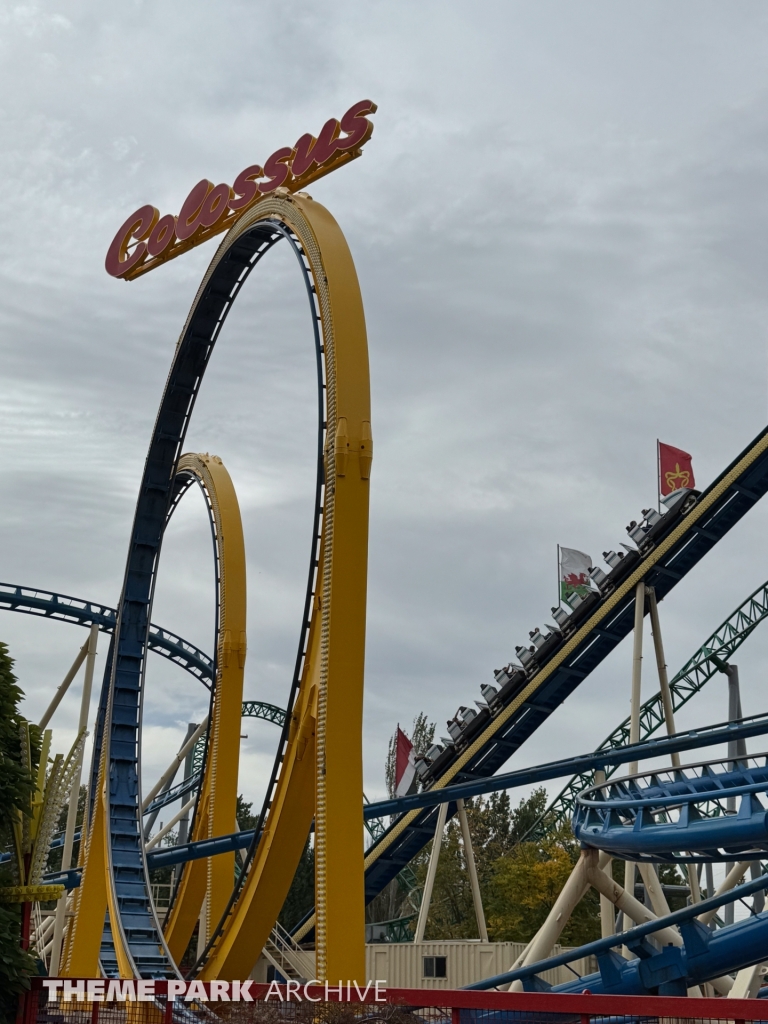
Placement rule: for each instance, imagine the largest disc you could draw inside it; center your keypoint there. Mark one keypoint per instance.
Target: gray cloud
(560, 231)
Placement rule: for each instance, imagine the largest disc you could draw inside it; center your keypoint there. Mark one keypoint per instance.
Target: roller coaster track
(655, 816)
(215, 809)
(595, 628)
(318, 771)
(324, 719)
(691, 678)
(703, 955)
(212, 816)
(688, 681)
(692, 739)
(62, 608)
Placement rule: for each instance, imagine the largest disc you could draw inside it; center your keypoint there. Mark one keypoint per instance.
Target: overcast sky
(560, 227)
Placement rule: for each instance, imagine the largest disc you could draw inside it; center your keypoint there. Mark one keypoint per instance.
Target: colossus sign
(146, 239)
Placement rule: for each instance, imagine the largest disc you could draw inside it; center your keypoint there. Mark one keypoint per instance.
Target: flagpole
(559, 598)
(658, 476)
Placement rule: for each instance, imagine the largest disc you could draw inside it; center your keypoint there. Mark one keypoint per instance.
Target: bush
(16, 964)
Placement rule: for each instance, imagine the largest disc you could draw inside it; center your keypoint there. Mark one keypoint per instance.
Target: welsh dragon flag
(574, 573)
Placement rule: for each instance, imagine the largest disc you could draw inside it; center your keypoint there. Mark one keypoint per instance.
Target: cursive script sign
(146, 239)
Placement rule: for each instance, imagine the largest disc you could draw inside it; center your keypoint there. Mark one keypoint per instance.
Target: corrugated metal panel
(401, 965)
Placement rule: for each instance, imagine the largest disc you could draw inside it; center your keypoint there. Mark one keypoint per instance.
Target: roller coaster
(231, 885)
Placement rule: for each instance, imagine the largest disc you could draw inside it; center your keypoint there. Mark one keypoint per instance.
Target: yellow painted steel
(216, 808)
(82, 942)
(321, 772)
(218, 798)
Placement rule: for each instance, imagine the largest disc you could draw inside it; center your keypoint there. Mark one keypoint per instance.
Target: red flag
(405, 764)
(675, 469)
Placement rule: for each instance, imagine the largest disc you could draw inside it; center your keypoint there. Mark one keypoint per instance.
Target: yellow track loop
(218, 798)
(82, 942)
(216, 807)
(321, 773)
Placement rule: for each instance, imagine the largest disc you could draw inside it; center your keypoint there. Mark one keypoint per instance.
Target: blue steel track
(88, 613)
(136, 926)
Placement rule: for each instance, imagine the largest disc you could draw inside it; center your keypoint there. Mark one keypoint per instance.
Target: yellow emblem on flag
(677, 478)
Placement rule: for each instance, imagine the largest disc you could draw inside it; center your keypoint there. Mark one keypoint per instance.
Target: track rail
(703, 956)
(656, 817)
(677, 548)
(62, 608)
(692, 739)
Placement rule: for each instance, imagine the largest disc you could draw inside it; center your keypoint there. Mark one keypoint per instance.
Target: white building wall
(400, 964)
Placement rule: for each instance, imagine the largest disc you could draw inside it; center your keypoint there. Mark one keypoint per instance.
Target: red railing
(263, 1002)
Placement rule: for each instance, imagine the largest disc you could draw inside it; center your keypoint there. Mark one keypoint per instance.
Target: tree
(526, 883)
(301, 895)
(16, 788)
(519, 882)
(246, 819)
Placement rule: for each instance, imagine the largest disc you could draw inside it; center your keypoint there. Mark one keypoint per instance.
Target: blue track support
(694, 739)
(679, 815)
(63, 608)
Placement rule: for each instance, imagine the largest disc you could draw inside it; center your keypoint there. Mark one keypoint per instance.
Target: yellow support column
(339, 878)
(332, 679)
(216, 809)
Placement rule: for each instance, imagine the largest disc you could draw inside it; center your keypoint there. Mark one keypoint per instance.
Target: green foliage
(16, 787)
(526, 884)
(670, 874)
(301, 895)
(16, 965)
(246, 819)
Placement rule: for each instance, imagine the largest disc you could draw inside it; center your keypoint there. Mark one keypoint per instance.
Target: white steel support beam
(74, 793)
(469, 855)
(426, 899)
(59, 695)
(173, 767)
(634, 714)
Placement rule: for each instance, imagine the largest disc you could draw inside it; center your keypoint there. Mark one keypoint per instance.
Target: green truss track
(251, 709)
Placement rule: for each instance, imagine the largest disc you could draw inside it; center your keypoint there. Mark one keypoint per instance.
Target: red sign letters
(146, 239)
